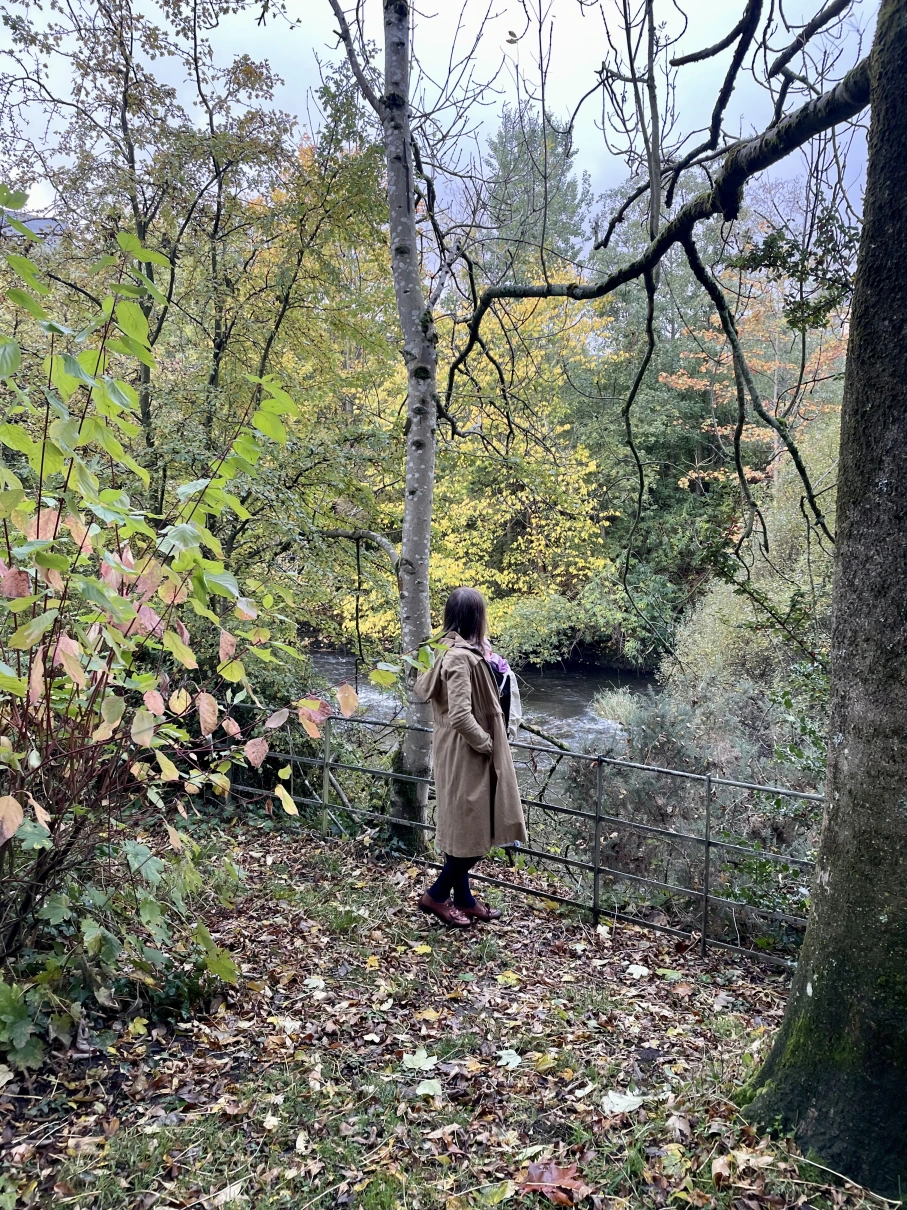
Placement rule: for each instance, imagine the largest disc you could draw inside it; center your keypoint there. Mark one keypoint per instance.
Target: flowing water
(557, 698)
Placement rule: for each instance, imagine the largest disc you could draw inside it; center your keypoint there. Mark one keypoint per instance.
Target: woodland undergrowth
(368, 1058)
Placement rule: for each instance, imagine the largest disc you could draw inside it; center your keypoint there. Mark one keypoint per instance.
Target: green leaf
(130, 243)
(12, 199)
(270, 425)
(247, 448)
(132, 348)
(95, 591)
(132, 321)
(232, 670)
(103, 262)
(56, 908)
(178, 537)
(221, 965)
(29, 1054)
(27, 270)
(75, 369)
(20, 299)
(10, 356)
(16, 438)
(122, 393)
(31, 631)
(279, 402)
(10, 683)
(173, 643)
(143, 862)
(32, 836)
(10, 500)
(223, 583)
(48, 558)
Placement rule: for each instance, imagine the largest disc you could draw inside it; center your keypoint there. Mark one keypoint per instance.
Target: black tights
(454, 877)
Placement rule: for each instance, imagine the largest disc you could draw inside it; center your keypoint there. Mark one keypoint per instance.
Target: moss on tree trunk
(837, 1073)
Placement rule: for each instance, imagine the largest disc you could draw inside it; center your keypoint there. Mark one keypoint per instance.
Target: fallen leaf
(561, 1186)
(229, 1194)
(509, 1058)
(721, 1170)
(429, 1088)
(635, 971)
(420, 1061)
(620, 1102)
(679, 1126)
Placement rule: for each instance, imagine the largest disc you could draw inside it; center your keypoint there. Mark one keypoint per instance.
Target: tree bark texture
(420, 356)
(837, 1073)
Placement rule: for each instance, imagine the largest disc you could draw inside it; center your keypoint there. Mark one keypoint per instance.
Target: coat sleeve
(458, 675)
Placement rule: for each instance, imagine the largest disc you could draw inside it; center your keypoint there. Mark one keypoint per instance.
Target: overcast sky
(577, 49)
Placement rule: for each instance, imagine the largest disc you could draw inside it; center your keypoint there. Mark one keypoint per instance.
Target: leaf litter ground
(369, 1058)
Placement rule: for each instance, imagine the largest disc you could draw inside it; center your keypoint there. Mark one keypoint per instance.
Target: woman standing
(477, 798)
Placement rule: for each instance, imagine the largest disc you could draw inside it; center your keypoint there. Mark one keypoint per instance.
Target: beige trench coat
(478, 800)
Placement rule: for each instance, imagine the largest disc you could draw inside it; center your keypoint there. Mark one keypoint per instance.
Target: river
(556, 698)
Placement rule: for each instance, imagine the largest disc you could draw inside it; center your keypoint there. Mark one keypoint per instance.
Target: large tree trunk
(420, 355)
(837, 1073)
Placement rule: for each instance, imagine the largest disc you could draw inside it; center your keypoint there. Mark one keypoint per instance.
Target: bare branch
(365, 535)
(358, 70)
(831, 10)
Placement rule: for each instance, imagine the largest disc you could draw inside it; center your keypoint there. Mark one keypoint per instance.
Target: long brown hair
(465, 614)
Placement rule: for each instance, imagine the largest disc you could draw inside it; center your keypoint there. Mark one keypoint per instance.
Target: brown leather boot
(481, 911)
(453, 917)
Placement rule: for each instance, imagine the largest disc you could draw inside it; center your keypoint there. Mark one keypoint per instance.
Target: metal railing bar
(306, 802)
(556, 857)
(389, 773)
(766, 853)
(336, 764)
(617, 762)
(668, 834)
(621, 875)
(767, 913)
(410, 823)
(759, 955)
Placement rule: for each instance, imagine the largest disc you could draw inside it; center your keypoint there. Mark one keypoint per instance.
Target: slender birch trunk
(421, 359)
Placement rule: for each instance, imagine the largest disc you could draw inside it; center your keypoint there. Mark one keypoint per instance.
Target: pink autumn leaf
(15, 583)
(181, 630)
(277, 719)
(231, 726)
(227, 647)
(256, 750)
(43, 525)
(154, 702)
(67, 652)
(149, 621)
